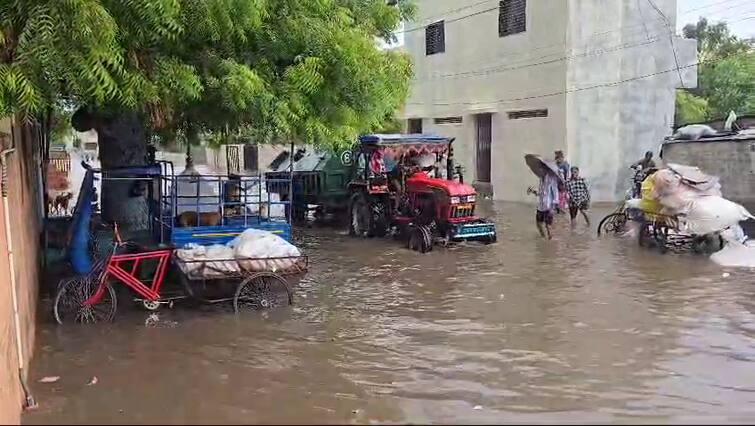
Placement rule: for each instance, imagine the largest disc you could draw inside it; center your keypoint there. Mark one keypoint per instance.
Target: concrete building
(593, 78)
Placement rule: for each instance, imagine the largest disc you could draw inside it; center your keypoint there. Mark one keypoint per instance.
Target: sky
(732, 11)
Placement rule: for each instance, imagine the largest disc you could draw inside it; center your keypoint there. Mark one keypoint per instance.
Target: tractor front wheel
(420, 239)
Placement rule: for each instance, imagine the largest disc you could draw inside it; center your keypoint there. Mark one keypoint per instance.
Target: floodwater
(578, 329)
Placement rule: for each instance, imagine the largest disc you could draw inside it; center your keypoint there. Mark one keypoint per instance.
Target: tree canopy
(304, 69)
(725, 75)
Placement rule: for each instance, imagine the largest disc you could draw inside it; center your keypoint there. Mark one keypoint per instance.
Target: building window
(435, 38)
(448, 120)
(512, 17)
(414, 126)
(251, 158)
(530, 113)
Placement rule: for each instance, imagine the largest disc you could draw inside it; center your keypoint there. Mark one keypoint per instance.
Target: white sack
(710, 214)
(259, 245)
(694, 132)
(207, 261)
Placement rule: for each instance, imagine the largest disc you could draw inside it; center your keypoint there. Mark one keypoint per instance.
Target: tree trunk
(122, 143)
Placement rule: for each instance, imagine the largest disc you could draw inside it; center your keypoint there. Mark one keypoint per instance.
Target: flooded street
(578, 329)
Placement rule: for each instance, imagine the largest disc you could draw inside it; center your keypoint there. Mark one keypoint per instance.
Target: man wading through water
(547, 194)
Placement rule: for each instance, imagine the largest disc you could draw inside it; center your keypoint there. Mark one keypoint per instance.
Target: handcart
(246, 283)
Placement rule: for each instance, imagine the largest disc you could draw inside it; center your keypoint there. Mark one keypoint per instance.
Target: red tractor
(408, 185)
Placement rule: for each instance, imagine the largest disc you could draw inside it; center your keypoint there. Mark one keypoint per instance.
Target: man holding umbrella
(547, 192)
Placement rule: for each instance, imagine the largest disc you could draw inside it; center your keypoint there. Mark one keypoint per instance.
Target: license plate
(464, 206)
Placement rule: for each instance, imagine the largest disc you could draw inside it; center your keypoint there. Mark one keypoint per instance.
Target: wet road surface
(578, 329)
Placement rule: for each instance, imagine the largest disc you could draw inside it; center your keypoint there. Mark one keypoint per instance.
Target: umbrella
(540, 167)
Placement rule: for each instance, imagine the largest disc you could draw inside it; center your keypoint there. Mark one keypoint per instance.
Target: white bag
(254, 245)
(694, 132)
(710, 214)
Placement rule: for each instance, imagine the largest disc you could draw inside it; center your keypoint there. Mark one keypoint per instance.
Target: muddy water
(573, 330)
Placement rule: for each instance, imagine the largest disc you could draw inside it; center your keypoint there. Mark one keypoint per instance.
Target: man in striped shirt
(579, 196)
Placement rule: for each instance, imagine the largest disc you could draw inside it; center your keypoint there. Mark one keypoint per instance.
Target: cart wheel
(661, 238)
(69, 302)
(151, 305)
(262, 291)
(613, 223)
(644, 234)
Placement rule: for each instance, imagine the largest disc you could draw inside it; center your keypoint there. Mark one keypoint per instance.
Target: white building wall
(569, 47)
(623, 47)
(481, 72)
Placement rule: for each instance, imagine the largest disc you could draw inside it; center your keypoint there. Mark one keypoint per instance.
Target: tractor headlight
(455, 200)
(470, 198)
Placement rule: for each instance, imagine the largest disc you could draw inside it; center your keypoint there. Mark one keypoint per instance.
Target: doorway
(483, 140)
(414, 126)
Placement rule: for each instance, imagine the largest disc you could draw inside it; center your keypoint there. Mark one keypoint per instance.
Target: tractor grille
(466, 210)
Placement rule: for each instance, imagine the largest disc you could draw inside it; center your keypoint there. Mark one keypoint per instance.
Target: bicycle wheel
(262, 291)
(69, 302)
(614, 223)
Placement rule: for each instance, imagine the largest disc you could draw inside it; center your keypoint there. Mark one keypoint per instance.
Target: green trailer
(320, 180)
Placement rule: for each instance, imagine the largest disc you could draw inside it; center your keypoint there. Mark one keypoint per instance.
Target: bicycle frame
(117, 267)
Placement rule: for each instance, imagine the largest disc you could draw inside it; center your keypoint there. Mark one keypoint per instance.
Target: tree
(690, 108)
(728, 84)
(714, 41)
(288, 69)
(725, 74)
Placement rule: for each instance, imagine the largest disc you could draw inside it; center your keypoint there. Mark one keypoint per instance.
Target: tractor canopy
(398, 144)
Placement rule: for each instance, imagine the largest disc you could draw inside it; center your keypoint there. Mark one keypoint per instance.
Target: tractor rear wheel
(366, 218)
(359, 216)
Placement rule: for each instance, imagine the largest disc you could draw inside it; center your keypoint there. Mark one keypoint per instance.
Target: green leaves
(726, 74)
(729, 84)
(308, 70)
(690, 108)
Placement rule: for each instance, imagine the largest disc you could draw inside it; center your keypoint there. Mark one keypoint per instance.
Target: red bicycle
(91, 298)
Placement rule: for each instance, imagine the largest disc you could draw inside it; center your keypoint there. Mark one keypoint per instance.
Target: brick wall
(25, 216)
(732, 161)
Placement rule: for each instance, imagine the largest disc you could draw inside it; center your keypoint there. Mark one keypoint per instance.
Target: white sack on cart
(710, 214)
(188, 255)
(207, 261)
(260, 245)
(223, 255)
(675, 195)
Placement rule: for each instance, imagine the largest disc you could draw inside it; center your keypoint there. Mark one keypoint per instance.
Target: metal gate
(232, 159)
(60, 159)
(484, 137)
